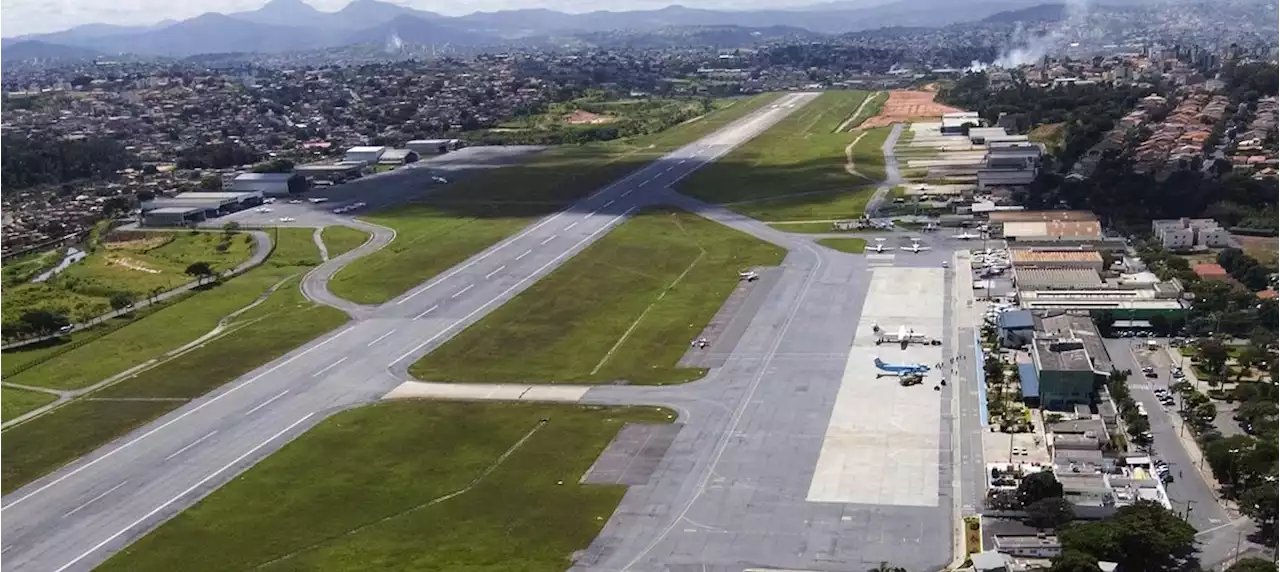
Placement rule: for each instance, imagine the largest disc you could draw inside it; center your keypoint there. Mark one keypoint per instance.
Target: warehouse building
(434, 146)
(173, 216)
(1053, 231)
(1010, 164)
(1032, 278)
(398, 157)
(368, 155)
(954, 123)
(1075, 259)
(270, 184)
(213, 204)
(340, 172)
(1136, 304)
(1069, 357)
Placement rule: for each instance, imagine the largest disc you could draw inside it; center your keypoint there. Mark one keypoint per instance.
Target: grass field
(341, 239)
(801, 153)
(385, 503)
(625, 308)
(1263, 248)
(283, 322)
(1050, 134)
(868, 154)
(15, 402)
(479, 210)
(871, 110)
(832, 205)
(850, 245)
(74, 365)
(132, 262)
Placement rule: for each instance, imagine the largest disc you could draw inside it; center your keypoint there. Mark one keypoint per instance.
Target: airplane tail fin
(879, 363)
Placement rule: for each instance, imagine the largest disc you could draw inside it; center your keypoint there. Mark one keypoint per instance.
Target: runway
(76, 517)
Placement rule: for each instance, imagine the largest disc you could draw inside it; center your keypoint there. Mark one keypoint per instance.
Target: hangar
(212, 204)
(173, 216)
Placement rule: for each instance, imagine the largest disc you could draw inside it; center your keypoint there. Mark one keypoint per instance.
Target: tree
(885, 567)
(1049, 513)
(1252, 565)
(1260, 503)
(201, 271)
(211, 183)
(1214, 355)
(121, 300)
(43, 322)
(231, 227)
(1037, 486)
(1105, 321)
(1074, 561)
(1142, 537)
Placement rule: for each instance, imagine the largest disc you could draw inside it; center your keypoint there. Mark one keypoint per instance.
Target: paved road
(892, 175)
(79, 515)
(261, 247)
(315, 285)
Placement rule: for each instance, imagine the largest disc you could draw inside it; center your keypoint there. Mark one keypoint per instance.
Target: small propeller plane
(901, 369)
(966, 235)
(915, 246)
(880, 247)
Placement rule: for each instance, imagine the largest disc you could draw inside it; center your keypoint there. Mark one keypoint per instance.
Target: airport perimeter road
(76, 517)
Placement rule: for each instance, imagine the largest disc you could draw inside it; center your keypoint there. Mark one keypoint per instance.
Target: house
(1210, 271)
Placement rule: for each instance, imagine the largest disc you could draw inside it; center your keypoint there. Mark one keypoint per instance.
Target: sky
(20, 17)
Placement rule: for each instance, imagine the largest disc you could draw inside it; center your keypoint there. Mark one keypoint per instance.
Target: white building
(1010, 164)
(367, 155)
(433, 146)
(1185, 233)
(269, 184)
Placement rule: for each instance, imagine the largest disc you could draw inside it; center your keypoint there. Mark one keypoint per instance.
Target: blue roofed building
(1029, 379)
(1016, 328)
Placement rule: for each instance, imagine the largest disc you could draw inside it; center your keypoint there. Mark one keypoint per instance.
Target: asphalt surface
(81, 514)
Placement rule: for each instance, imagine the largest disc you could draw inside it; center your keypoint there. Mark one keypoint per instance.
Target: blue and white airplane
(902, 369)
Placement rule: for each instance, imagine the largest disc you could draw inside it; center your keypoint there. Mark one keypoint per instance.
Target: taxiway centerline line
(190, 445)
(94, 499)
(328, 367)
(277, 396)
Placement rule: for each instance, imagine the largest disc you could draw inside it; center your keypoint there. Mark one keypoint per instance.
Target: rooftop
(1031, 278)
(1209, 271)
(175, 211)
(1053, 354)
(1025, 255)
(1021, 216)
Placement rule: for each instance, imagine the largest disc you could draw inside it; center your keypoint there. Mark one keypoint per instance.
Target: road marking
(524, 254)
(95, 499)
(329, 367)
(571, 225)
(645, 182)
(192, 444)
(183, 493)
(463, 291)
(548, 239)
(482, 307)
(669, 169)
(590, 214)
(629, 191)
(482, 256)
(606, 205)
(496, 270)
(428, 311)
(174, 420)
(380, 338)
(278, 396)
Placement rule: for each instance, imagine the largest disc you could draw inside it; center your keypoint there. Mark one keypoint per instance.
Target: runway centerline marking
(548, 239)
(279, 395)
(175, 420)
(571, 225)
(511, 289)
(328, 367)
(606, 205)
(427, 311)
(629, 191)
(524, 254)
(95, 499)
(463, 291)
(380, 338)
(183, 493)
(495, 271)
(190, 445)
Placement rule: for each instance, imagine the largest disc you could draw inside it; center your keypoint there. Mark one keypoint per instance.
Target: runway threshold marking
(524, 254)
(463, 291)
(380, 338)
(183, 493)
(175, 420)
(495, 271)
(95, 499)
(548, 239)
(190, 445)
(427, 311)
(328, 367)
(279, 395)
(513, 287)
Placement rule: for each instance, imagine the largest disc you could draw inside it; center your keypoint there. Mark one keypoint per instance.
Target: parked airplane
(318, 200)
(916, 248)
(440, 180)
(748, 275)
(903, 334)
(966, 236)
(901, 369)
(880, 247)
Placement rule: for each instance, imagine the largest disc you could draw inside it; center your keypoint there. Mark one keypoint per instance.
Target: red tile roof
(1209, 271)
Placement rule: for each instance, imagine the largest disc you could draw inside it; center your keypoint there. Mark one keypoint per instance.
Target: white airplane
(966, 236)
(916, 248)
(440, 180)
(318, 200)
(903, 335)
(880, 247)
(287, 219)
(748, 275)
(295, 202)
(263, 210)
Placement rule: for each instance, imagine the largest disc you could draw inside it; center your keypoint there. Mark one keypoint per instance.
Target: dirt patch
(905, 105)
(582, 117)
(137, 241)
(1264, 248)
(131, 264)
